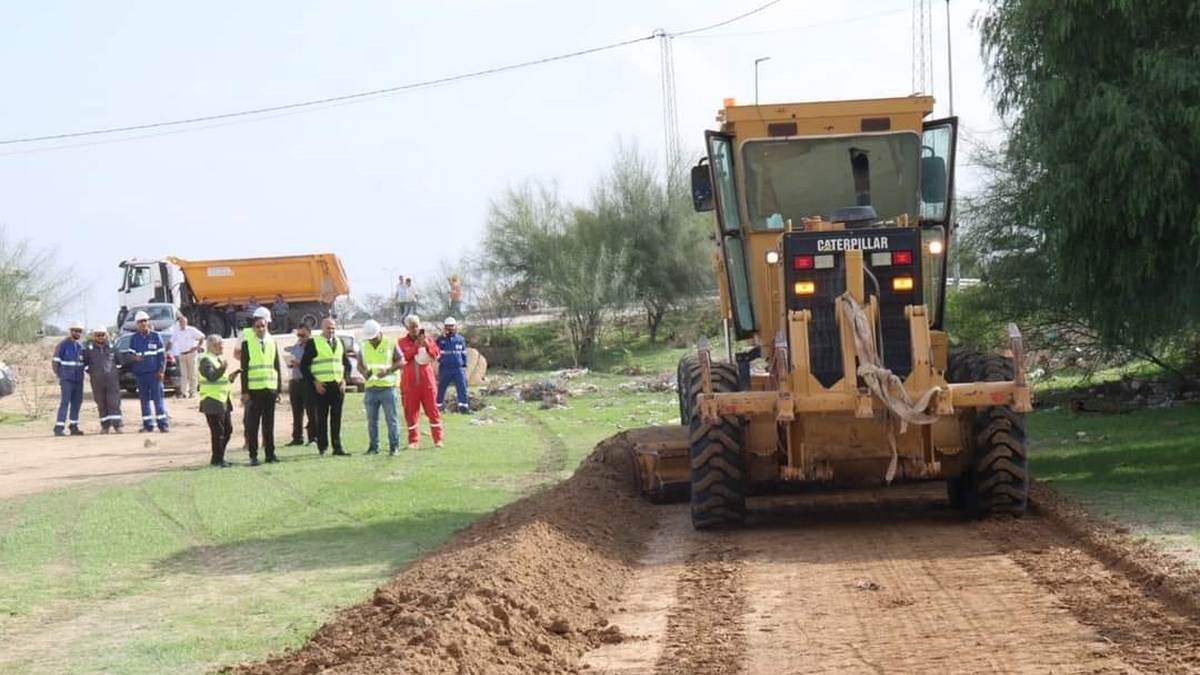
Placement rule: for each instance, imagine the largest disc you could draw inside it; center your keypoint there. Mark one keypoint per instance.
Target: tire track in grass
(553, 458)
(306, 500)
(202, 552)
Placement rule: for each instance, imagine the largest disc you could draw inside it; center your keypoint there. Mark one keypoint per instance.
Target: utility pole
(756, 62)
(949, 59)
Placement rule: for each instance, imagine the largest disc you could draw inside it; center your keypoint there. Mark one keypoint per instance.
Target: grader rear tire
(718, 462)
(997, 480)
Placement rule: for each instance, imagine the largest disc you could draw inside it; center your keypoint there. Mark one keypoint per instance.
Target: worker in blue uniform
(149, 357)
(68, 368)
(452, 365)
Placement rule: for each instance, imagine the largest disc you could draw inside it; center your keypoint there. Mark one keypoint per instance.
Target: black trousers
(329, 416)
(261, 409)
(220, 428)
(301, 398)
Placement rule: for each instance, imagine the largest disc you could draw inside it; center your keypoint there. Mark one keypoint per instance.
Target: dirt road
(887, 581)
(589, 580)
(32, 459)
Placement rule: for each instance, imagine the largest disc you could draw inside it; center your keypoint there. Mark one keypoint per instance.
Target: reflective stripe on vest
(379, 357)
(327, 367)
(219, 390)
(261, 374)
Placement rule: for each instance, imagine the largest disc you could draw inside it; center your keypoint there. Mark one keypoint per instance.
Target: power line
(372, 94)
(726, 22)
(807, 26)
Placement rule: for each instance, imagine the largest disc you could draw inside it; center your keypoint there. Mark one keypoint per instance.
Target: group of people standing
(146, 353)
(397, 373)
(318, 370)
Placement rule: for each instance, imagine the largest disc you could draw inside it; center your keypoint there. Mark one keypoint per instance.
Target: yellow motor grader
(832, 225)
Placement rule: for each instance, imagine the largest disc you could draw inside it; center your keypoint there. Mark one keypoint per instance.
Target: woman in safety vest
(216, 401)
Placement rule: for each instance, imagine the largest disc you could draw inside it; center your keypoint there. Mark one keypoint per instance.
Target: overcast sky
(397, 184)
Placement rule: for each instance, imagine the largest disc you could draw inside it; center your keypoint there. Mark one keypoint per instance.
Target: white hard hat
(141, 316)
(449, 321)
(76, 325)
(371, 329)
(99, 329)
(262, 313)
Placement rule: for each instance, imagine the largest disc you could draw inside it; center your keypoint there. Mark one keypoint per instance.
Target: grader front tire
(997, 478)
(718, 463)
(719, 473)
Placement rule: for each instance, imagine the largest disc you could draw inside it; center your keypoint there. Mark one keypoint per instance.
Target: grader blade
(658, 463)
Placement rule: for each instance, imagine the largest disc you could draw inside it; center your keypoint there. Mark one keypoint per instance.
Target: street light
(756, 62)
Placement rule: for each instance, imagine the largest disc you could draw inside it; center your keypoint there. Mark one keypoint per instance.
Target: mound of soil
(525, 590)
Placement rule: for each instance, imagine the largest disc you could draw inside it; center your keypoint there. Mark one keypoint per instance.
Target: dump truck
(832, 224)
(203, 290)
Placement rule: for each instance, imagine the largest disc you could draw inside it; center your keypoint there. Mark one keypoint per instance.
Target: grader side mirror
(702, 189)
(933, 180)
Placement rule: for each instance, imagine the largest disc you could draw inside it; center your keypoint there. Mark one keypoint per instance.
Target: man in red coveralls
(418, 386)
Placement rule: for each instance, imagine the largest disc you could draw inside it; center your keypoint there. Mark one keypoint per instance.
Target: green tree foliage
(534, 237)
(1023, 282)
(1104, 101)
(664, 237)
(32, 288)
(636, 241)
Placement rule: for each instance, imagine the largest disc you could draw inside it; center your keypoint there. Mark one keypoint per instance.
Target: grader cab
(832, 223)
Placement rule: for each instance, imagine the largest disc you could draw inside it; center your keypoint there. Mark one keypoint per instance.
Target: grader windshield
(790, 179)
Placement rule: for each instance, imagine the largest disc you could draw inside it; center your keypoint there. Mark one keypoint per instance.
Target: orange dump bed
(308, 278)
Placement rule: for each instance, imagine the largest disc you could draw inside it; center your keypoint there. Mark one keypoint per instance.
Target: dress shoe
(220, 465)
(253, 461)
(293, 443)
(272, 459)
(340, 453)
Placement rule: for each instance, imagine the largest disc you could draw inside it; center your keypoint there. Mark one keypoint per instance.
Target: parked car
(8, 380)
(125, 365)
(350, 343)
(163, 316)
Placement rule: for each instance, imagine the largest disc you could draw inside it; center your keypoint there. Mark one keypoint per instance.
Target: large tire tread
(718, 461)
(996, 481)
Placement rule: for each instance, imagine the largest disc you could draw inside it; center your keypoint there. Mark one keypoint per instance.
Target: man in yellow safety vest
(260, 389)
(325, 365)
(379, 364)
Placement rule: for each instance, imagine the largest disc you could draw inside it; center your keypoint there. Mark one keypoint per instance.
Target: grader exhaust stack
(833, 275)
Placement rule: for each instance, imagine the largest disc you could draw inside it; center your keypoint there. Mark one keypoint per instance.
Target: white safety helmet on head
(99, 329)
(449, 321)
(262, 313)
(371, 329)
(75, 325)
(141, 316)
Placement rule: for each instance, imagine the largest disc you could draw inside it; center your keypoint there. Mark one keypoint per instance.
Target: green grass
(197, 568)
(1142, 468)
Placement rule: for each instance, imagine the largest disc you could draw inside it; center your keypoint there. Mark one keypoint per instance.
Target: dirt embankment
(525, 590)
(585, 579)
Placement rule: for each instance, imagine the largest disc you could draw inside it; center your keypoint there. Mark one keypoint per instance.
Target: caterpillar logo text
(849, 243)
